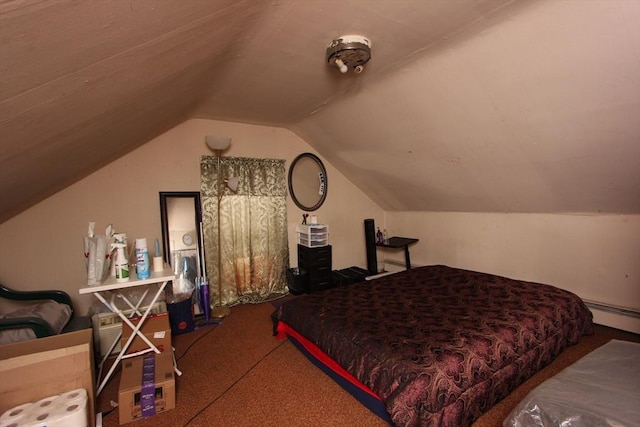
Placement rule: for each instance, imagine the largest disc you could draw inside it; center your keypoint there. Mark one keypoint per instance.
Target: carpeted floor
(238, 374)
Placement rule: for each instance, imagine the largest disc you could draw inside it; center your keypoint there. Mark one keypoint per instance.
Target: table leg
(135, 311)
(407, 259)
(135, 329)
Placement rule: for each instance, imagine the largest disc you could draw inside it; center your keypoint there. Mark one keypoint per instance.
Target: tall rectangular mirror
(181, 219)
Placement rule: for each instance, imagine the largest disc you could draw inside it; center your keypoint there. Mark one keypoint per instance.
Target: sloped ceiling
(466, 105)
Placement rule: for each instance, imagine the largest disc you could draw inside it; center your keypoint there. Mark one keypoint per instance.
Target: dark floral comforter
(440, 345)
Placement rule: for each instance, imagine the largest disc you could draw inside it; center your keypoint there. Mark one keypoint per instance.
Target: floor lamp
(219, 144)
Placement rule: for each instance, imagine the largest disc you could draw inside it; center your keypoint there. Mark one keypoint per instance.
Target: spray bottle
(122, 266)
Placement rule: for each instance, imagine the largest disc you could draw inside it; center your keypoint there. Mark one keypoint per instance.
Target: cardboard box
(156, 328)
(35, 369)
(131, 400)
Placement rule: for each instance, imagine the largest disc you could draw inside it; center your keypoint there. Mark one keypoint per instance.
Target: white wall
(595, 256)
(42, 247)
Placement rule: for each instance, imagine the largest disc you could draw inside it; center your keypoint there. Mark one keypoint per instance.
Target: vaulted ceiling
(466, 105)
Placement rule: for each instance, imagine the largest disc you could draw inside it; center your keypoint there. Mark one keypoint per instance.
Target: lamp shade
(217, 143)
(233, 183)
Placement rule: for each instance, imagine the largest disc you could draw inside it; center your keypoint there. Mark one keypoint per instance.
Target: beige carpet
(238, 374)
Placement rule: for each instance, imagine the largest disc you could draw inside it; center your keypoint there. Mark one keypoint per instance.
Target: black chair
(39, 326)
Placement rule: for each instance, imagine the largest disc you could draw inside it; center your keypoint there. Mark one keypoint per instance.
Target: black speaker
(370, 239)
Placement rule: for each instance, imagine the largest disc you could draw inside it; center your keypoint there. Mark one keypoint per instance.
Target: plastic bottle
(379, 237)
(122, 265)
(142, 259)
(177, 260)
(118, 238)
(385, 237)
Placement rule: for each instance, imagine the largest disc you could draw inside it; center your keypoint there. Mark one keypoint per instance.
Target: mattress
(601, 389)
(439, 345)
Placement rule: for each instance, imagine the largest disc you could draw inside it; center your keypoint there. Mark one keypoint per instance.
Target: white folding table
(108, 293)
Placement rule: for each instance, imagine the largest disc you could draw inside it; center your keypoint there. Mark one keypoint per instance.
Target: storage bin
(313, 235)
(348, 276)
(297, 281)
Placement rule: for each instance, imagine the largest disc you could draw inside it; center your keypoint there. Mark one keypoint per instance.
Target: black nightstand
(317, 263)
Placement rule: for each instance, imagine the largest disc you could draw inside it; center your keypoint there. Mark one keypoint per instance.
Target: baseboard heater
(400, 263)
(391, 262)
(615, 309)
(394, 262)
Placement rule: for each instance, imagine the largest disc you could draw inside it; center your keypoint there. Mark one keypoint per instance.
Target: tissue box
(157, 330)
(131, 405)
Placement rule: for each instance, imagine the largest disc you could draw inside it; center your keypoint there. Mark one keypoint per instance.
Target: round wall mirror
(308, 182)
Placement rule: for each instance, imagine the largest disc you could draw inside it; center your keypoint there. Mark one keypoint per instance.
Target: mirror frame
(323, 182)
(197, 219)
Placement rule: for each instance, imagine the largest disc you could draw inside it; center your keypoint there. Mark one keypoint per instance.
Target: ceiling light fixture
(349, 52)
(218, 144)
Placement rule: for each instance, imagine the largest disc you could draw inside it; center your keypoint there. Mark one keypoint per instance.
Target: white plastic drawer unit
(313, 235)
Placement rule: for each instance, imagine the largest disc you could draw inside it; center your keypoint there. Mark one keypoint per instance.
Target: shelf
(400, 243)
(110, 283)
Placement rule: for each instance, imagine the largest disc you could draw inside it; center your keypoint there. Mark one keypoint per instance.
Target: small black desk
(400, 243)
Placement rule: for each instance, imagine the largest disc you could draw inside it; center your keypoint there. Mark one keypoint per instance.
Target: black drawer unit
(317, 263)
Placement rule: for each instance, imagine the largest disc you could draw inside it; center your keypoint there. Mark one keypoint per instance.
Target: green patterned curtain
(253, 221)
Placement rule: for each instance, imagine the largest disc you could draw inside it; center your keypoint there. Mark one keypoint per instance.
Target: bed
(434, 345)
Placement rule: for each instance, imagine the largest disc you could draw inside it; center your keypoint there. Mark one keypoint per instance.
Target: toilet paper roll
(46, 403)
(76, 395)
(41, 413)
(158, 263)
(69, 409)
(72, 414)
(14, 415)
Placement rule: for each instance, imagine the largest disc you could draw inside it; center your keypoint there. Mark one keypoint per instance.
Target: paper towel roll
(14, 415)
(158, 263)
